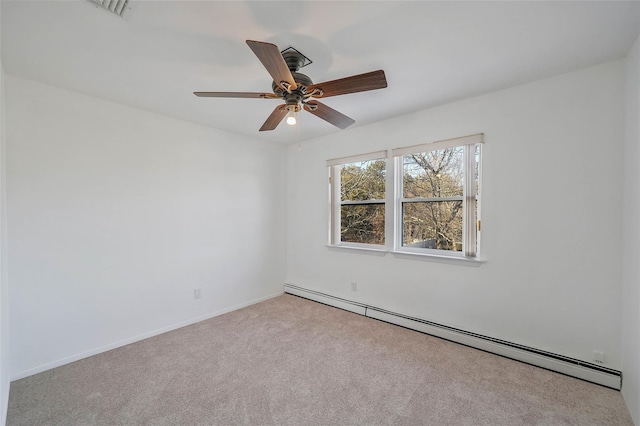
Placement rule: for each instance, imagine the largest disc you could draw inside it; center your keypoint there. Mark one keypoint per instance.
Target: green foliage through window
(421, 199)
(361, 218)
(432, 205)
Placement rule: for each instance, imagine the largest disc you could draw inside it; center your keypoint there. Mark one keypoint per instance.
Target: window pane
(364, 180)
(433, 225)
(362, 223)
(434, 174)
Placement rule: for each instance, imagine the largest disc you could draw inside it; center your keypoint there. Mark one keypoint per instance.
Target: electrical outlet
(354, 286)
(599, 357)
(196, 293)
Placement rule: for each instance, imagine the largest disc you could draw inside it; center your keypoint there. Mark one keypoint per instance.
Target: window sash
(370, 235)
(355, 203)
(423, 200)
(428, 220)
(336, 202)
(468, 198)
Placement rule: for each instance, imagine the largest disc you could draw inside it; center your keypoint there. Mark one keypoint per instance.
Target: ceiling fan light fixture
(291, 118)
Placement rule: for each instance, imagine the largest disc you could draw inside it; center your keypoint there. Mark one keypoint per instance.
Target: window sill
(457, 260)
(370, 250)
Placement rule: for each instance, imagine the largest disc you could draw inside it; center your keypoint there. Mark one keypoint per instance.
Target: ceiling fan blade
(329, 114)
(236, 95)
(275, 118)
(272, 59)
(356, 83)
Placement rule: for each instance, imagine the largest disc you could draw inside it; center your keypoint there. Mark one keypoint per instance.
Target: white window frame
(335, 201)
(470, 223)
(394, 200)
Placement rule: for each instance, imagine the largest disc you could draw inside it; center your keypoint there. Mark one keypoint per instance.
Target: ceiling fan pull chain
(299, 125)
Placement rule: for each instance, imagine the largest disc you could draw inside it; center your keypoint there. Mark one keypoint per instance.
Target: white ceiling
(432, 52)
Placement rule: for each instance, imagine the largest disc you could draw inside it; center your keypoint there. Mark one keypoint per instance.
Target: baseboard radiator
(572, 367)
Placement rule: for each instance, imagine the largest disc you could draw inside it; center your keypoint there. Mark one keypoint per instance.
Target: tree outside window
(438, 203)
(362, 202)
(424, 202)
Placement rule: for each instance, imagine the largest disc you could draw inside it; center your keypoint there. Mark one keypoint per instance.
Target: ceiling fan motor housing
(295, 60)
(302, 81)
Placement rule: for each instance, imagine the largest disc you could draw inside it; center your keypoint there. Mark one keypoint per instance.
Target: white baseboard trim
(554, 362)
(67, 360)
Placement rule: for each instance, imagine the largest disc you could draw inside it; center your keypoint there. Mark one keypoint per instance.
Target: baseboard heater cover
(550, 361)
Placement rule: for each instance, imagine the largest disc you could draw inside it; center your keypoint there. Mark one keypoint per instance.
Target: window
(438, 197)
(426, 201)
(358, 186)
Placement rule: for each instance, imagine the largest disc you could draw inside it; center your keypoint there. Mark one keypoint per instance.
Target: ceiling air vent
(115, 6)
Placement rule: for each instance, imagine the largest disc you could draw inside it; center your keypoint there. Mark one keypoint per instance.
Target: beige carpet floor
(291, 361)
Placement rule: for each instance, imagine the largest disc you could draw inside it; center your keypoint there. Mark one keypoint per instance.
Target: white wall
(4, 296)
(631, 240)
(115, 215)
(4, 293)
(550, 217)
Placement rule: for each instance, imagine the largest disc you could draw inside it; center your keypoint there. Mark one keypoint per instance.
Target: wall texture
(631, 240)
(116, 215)
(4, 296)
(551, 239)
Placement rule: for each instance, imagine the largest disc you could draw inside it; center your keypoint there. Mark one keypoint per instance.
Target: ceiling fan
(296, 89)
